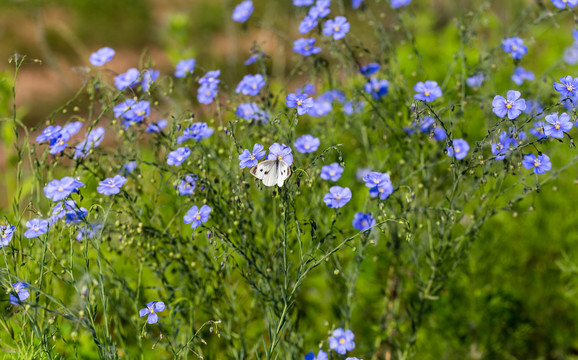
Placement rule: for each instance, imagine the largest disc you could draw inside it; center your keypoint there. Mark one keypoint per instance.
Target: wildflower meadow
(373, 179)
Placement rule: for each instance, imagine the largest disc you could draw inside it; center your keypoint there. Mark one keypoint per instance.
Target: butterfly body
(272, 172)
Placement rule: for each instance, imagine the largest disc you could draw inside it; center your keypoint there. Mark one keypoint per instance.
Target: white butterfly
(272, 172)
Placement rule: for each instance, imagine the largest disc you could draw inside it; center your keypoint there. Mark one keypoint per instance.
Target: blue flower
(320, 9)
(49, 133)
(307, 144)
(247, 111)
(206, 93)
(58, 144)
(72, 128)
(538, 130)
(557, 126)
(197, 131)
(250, 85)
(302, 2)
(184, 68)
(540, 164)
(362, 221)
(249, 159)
(281, 152)
(151, 310)
(561, 4)
(333, 95)
(57, 190)
(93, 139)
(255, 55)
(36, 227)
(211, 78)
(6, 233)
(501, 148)
(302, 102)
(178, 156)
(156, 127)
(515, 46)
(378, 184)
(475, 81)
(20, 288)
(356, 3)
(73, 213)
(331, 172)
(321, 355)
(428, 91)
(399, 3)
(461, 148)
(111, 186)
(101, 56)
(308, 24)
(187, 185)
(336, 28)
(306, 47)
(521, 74)
(342, 341)
(512, 105)
(87, 231)
(127, 79)
(128, 167)
(377, 88)
(439, 134)
(197, 216)
(148, 78)
(369, 69)
(243, 11)
(567, 86)
(308, 89)
(571, 54)
(353, 107)
(320, 108)
(337, 197)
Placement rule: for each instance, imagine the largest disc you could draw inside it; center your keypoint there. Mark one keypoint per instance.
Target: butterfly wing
(283, 172)
(271, 172)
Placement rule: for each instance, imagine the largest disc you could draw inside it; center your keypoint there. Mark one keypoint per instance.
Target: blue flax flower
(250, 85)
(337, 197)
(111, 186)
(6, 233)
(255, 55)
(320, 108)
(281, 152)
(207, 93)
(336, 28)
(148, 78)
(87, 231)
(127, 79)
(376, 87)
(249, 159)
(538, 130)
(156, 127)
(247, 111)
(187, 185)
(307, 144)
(321, 355)
(243, 11)
(362, 221)
(21, 290)
(504, 144)
(301, 101)
(320, 9)
(57, 190)
(399, 3)
(184, 68)
(521, 74)
(356, 3)
(460, 147)
(306, 47)
(151, 310)
(178, 156)
(101, 56)
(331, 172)
(197, 131)
(428, 91)
(567, 86)
(36, 227)
(561, 4)
(540, 164)
(515, 46)
(475, 81)
(308, 24)
(197, 216)
(342, 341)
(302, 2)
(512, 105)
(378, 184)
(557, 125)
(369, 69)
(211, 78)
(49, 133)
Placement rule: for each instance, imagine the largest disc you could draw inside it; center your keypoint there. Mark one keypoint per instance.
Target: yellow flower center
(199, 217)
(342, 341)
(180, 158)
(514, 47)
(299, 102)
(537, 163)
(60, 189)
(336, 29)
(509, 106)
(557, 126)
(254, 86)
(152, 311)
(332, 173)
(252, 157)
(426, 93)
(4, 236)
(280, 157)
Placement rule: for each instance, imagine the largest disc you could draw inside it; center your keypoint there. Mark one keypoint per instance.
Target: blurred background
(516, 297)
